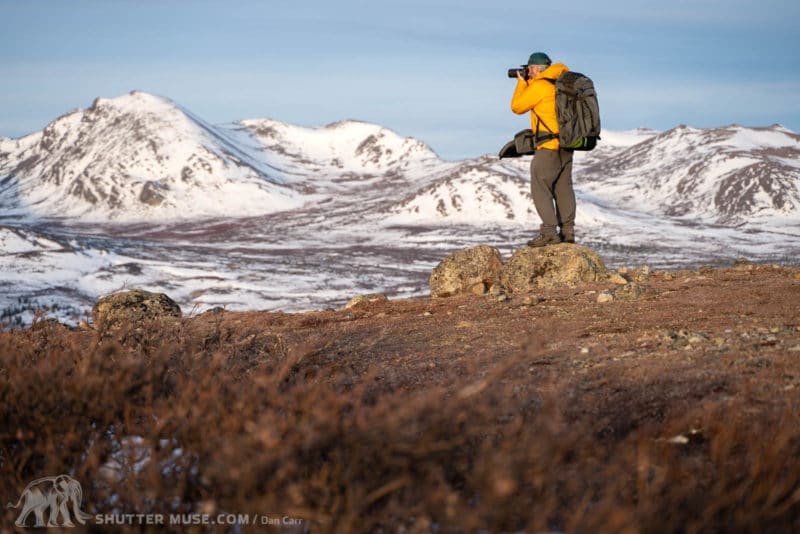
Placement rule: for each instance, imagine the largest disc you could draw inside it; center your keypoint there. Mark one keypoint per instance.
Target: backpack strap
(541, 139)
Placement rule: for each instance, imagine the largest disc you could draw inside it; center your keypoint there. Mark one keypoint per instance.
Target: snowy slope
(726, 175)
(487, 190)
(19, 241)
(136, 157)
(348, 157)
(477, 191)
(347, 145)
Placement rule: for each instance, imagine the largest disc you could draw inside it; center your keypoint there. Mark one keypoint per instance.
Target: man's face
(533, 71)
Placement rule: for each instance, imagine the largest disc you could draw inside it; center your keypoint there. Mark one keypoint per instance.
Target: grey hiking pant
(551, 188)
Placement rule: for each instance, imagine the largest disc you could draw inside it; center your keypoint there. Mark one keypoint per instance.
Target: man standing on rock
(551, 167)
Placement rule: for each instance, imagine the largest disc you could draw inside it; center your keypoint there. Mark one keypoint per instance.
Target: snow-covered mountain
(136, 157)
(338, 149)
(487, 189)
(731, 175)
(482, 189)
(260, 214)
(143, 157)
(724, 175)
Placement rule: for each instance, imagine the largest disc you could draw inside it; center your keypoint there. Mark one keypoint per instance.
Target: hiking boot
(543, 240)
(567, 237)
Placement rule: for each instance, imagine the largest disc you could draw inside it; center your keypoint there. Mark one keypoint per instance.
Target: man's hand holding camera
(524, 73)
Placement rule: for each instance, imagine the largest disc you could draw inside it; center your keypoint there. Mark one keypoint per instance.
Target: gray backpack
(577, 112)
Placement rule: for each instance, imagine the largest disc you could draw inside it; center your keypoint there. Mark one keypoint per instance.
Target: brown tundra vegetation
(676, 411)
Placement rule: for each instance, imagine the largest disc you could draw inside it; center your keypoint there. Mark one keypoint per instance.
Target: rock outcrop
(477, 269)
(471, 270)
(129, 307)
(545, 267)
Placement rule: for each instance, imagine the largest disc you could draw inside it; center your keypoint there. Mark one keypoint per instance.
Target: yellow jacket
(540, 95)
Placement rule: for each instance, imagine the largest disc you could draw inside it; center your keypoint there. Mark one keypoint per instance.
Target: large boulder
(466, 271)
(129, 307)
(553, 266)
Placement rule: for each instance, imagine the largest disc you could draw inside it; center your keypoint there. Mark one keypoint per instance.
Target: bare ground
(675, 412)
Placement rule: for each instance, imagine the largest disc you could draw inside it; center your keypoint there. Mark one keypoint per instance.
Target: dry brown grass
(316, 417)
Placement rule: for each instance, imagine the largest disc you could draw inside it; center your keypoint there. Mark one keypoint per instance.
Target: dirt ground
(675, 412)
(739, 325)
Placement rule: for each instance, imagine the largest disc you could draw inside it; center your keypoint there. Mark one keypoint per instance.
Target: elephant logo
(51, 496)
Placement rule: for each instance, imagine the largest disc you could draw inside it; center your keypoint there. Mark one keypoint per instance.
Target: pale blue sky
(435, 70)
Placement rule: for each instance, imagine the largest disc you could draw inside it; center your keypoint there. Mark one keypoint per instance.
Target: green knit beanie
(539, 58)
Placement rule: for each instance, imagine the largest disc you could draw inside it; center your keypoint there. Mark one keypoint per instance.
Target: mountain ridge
(724, 175)
(144, 157)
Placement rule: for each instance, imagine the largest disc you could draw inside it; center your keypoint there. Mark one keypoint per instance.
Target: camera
(512, 73)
